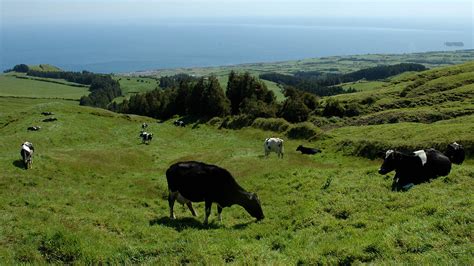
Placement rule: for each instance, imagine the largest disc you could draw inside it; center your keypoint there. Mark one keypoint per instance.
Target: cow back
(197, 181)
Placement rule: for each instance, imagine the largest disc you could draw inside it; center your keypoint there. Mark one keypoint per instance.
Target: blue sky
(31, 11)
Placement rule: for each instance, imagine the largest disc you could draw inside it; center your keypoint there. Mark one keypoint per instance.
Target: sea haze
(117, 47)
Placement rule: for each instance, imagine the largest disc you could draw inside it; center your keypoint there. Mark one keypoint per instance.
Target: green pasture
(10, 85)
(97, 195)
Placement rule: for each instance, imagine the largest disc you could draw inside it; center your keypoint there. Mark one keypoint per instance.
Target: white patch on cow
(26, 148)
(422, 155)
(388, 153)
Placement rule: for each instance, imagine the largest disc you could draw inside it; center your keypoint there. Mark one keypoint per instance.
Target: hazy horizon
(127, 35)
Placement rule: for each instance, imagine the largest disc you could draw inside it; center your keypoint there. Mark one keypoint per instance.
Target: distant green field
(44, 67)
(364, 85)
(97, 195)
(334, 64)
(134, 85)
(12, 86)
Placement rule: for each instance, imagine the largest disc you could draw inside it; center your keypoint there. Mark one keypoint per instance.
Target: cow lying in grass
(34, 128)
(455, 153)
(414, 168)
(307, 150)
(26, 153)
(195, 182)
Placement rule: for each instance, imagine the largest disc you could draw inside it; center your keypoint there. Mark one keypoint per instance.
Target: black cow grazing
(51, 119)
(146, 137)
(144, 126)
(47, 113)
(196, 182)
(415, 168)
(34, 128)
(306, 150)
(455, 153)
(179, 123)
(26, 153)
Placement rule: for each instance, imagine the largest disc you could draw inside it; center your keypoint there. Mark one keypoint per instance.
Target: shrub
(215, 121)
(305, 130)
(333, 108)
(237, 122)
(272, 124)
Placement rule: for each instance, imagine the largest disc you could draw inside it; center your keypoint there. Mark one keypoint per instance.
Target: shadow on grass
(242, 225)
(19, 164)
(183, 223)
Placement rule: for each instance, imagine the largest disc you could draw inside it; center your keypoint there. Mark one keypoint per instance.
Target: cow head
(390, 162)
(455, 153)
(254, 207)
(299, 148)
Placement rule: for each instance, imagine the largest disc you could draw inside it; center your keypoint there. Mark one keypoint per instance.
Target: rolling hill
(97, 195)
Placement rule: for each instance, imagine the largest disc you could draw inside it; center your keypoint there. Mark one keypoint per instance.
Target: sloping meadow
(97, 195)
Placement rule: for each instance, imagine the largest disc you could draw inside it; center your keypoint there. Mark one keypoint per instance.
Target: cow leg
(190, 207)
(395, 185)
(171, 199)
(219, 211)
(208, 205)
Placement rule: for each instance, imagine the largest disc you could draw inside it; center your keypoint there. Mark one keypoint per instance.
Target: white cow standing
(275, 145)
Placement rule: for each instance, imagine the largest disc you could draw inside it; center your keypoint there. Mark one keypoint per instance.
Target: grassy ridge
(95, 194)
(10, 85)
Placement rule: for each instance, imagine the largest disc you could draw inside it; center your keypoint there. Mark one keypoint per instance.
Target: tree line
(245, 95)
(326, 84)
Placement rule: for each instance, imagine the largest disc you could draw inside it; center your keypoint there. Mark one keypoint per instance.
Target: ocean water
(116, 47)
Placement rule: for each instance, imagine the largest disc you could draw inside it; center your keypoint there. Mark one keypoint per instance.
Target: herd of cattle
(193, 181)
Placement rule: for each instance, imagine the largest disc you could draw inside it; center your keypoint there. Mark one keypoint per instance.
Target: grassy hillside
(96, 194)
(18, 85)
(44, 67)
(428, 96)
(333, 64)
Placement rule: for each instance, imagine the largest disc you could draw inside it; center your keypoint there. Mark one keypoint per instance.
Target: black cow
(306, 150)
(51, 119)
(455, 153)
(47, 113)
(26, 153)
(146, 137)
(196, 182)
(179, 123)
(34, 128)
(415, 168)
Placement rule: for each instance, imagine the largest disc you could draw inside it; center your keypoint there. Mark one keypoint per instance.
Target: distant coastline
(456, 44)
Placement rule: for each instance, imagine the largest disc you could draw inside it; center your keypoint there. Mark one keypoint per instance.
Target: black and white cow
(455, 153)
(51, 119)
(144, 126)
(196, 182)
(307, 150)
(179, 123)
(146, 137)
(46, 113)
(414, 168)
(26, 153)
(273, 145)
(34, 128)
